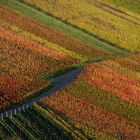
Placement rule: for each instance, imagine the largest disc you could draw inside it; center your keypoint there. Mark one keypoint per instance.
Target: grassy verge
(68, 29)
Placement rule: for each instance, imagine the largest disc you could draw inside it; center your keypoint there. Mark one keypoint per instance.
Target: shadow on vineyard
(32, 125)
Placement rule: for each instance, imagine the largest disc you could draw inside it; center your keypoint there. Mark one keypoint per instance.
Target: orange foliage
(48, 33)
(82, 111)
(20, 67)
(9, 35)
(115, 83)
(132, 62)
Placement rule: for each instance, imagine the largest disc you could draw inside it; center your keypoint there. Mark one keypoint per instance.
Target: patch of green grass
(50, 44)
(68, 29)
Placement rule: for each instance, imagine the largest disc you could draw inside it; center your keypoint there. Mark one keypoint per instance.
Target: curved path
(61, 82)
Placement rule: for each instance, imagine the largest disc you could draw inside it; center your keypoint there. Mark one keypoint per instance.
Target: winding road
(61, 82)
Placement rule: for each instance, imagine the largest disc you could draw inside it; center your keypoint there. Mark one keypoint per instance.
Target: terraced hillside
(41, 40)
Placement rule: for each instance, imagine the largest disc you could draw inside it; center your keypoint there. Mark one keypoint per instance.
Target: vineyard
(34, 123)
(21, 63)
(123, 29)
(69, 70)
(104, 97)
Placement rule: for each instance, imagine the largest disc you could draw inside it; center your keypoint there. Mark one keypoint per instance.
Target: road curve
(61, 82)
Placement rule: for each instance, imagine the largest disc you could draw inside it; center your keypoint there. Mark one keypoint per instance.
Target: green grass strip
(75, 32)
(44, 41)
(48, 43)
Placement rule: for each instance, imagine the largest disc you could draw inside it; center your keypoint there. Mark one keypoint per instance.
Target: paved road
(62, 81)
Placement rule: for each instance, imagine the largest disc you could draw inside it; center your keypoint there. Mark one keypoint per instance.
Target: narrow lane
(61, 82)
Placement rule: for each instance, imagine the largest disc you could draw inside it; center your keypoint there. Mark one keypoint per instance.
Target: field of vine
(69, 69)
(29, 49)
(24, 57)
(96, 17)
(129, 5)
(52, 22)
(46, 36)
(104, 97)
(22, 61)
(36, 123)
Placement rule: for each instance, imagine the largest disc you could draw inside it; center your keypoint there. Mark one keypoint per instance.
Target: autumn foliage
(104, 81)
(82, 111)
(22, 61)
(103, 76)
(50, 34)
